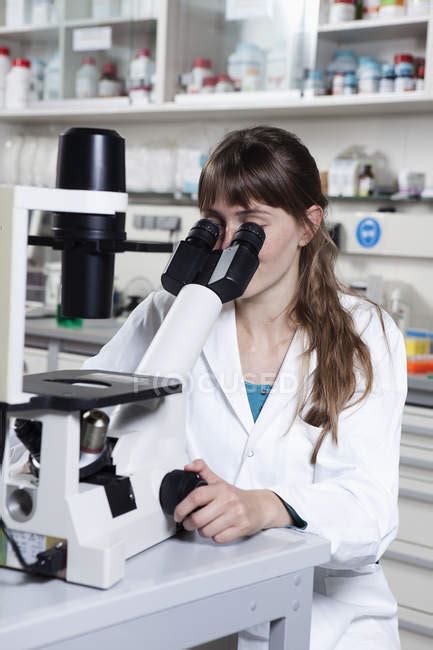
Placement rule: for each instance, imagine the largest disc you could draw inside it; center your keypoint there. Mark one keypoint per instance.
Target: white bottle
(17, 13)
(18, 84)
(145, 9)
(399, 310)
(245, 66)
(276, 67)
(5, 65)
(102, 9)
(42, 12)
(86, 81)
(52, 79)
(141, 68)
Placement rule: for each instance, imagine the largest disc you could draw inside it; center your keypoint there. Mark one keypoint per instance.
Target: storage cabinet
(293, 37)
(408, 563)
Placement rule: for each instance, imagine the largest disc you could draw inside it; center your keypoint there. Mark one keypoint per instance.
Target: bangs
(241, 175)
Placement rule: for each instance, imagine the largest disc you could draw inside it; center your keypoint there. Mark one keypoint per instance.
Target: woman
(298, 420)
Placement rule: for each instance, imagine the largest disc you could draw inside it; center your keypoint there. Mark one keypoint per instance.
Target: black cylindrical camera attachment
(89, 159)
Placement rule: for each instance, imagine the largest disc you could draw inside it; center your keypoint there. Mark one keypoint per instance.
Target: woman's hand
(226, 512)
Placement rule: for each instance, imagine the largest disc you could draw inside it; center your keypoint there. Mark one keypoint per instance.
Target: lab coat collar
(222, 354)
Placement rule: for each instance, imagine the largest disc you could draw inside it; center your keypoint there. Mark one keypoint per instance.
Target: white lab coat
(348, 497)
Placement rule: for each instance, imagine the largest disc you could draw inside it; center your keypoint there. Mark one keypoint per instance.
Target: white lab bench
(180, 593)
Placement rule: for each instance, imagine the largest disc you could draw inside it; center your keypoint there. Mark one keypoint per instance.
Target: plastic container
(209, 85)
(141, 68)
(109, 84)
(140, 94)
(370, 9)
(17, 13)
(338, 84)
(369, 74)
(37, 78)
(314, 84)
(418, 7)
(105, 9)
(420, 364)
(419, 84)
(18, 84)
(392, 8)
(87, 79)
(341, 11)
(387, 80)
(276, 68)
(402, 61)
(52, 79)
(5, 65)
(201, 69)
(399, 310)
(42, 12)
(246, 66)
(224, 84)
(417, 342)
(350, 86)
(405, 79)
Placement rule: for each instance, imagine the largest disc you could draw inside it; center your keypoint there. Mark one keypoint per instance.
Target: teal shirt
(257, 395)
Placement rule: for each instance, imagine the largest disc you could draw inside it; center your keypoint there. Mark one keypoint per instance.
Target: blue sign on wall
(368, 232)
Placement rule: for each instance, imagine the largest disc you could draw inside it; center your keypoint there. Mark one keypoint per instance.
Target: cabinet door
(259, 45)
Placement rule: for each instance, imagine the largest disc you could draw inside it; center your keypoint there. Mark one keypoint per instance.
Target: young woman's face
(280, 252)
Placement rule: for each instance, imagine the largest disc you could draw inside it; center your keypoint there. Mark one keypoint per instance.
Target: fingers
(217, 526)
(198, 498)
(199, 467)
(204, 516)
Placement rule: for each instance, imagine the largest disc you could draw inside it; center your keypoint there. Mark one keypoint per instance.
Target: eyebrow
(240, 213)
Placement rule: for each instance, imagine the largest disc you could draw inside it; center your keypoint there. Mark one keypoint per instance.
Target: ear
(314, 215)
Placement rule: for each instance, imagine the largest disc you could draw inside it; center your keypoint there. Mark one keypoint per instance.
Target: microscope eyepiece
(251, 234)
(204, 233)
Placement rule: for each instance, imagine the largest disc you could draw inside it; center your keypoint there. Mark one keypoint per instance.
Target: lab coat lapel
(222, 354)
(285, 391)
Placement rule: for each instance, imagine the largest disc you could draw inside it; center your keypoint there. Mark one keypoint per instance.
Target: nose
(229, 233)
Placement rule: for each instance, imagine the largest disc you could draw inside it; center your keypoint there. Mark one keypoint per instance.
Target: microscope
(96, 480)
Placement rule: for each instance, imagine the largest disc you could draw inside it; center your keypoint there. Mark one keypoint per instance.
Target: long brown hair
(273, 166)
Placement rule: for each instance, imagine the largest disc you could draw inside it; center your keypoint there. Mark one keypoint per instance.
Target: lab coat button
(295, 605)
(250, 454)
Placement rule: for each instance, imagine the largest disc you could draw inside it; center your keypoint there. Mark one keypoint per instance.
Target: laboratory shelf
(381, 198)
(101, 110)
(96, 22)
(361, 30)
